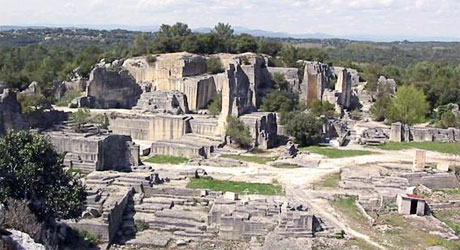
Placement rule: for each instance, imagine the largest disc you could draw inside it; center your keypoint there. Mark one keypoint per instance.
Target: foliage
(286, 166)
(280, 81)
(250, 158)
(409, 106)
(336, 153)
(278, 101)
(304, 127)
(329, 181)
(356, 115)
(68, 97)
(379, 108)
(215, 106)
(33, 103)
(92, 239)
(30, 169)
(323, 108)
(141, 225)
(215, 65)
(238, 132)
(235, 186)
(161, 159)
(80, 117)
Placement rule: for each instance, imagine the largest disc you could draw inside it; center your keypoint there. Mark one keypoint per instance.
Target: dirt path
(324, 210)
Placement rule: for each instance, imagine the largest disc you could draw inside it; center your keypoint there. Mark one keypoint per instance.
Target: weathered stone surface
(386, 85)
(95, 152)
(110, 89)
(411, 204)
(343, 87)
(419, 160)
(20, 241)
(263, 128)
(401, 133)
(316, 79)
(172, 102)
(11, 118)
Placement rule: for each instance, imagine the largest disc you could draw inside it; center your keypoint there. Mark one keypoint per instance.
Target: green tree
(33, 103)
(31, 170)
(223, 30)
(215, 65)
(80, 117)
(238, 132)
(379, 108)
(409, 106)
(304, 127)
(278, 101)
(320, 108)
(245, 43)
(141, 46)
(215, 106)
(280, 81)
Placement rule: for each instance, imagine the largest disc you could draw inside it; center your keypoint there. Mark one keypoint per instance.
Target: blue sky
(337, 17)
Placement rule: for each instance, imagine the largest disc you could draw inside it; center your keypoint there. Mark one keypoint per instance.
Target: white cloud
(413, 17)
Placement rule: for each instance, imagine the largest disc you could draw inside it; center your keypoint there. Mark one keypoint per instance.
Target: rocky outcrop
(110, 89)
(263, 128)
(385, 85)
(172, 102)
(11, 118)
(316, 79)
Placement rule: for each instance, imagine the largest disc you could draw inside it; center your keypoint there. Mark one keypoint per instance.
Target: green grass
(167, 159)
(256, 159)
(448, 148)
(235, 186)
(347, 206)
(447, 216)
(286, 166)
(141, 225)
(329, 181)
(336, 153)
(450, 191)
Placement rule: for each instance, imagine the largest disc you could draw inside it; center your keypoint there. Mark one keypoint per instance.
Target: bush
(31, 170)
(141, 225)
(151, 59)
(356, 115)
(215, 65)
(68, 97)
(409, 106)
(215, 106)
(320, 108)
(304, 127)
(80, 117)
(280, 81)
(379, 108)
(238, 132)
(33, 103)
(278, 101)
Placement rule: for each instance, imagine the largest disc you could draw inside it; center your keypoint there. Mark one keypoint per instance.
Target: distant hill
(254, 32)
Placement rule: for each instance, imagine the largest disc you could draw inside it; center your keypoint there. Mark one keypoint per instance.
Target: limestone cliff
(11, 118)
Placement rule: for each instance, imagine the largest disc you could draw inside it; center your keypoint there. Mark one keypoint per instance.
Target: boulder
(11, 118)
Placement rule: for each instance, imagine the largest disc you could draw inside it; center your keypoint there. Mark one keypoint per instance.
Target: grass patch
(235, 186)
(329, 181)
(447, 216)
(347, 206)
(256, 159)
(159, 159)
(448, 148)
(450, 191)
(286, 166)
(336, 153)
(141, 225)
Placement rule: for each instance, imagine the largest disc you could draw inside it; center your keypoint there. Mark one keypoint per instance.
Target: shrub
(409, 106)
(319, 108)
(80, 117)
(33, 103)
(280, 81)
(151, 59)
(304, 127)
(215, 65)
(278, 101)
(238, 132)
(31, 169)
(215, 106)
(379, 108)
(68, 97)
(141, 225)
(356, 115)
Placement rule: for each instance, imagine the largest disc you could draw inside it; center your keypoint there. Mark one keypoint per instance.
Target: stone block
(443, 166)
(419, 160)
(231, 196)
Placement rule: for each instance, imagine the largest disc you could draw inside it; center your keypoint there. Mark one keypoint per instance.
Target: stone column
(419, 160)
(396, 133)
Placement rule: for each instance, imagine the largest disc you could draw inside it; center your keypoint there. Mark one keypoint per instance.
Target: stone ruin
(95, 151)
(11, 118)
(404, 133)
(173, 213)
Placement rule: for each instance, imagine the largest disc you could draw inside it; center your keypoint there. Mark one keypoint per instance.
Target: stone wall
(110, 89)
(404, 133)
(11, 118)
(172, 102)
(291, 75)
(95, 152)
(149, 127)
(263, 128)
(316, 79)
